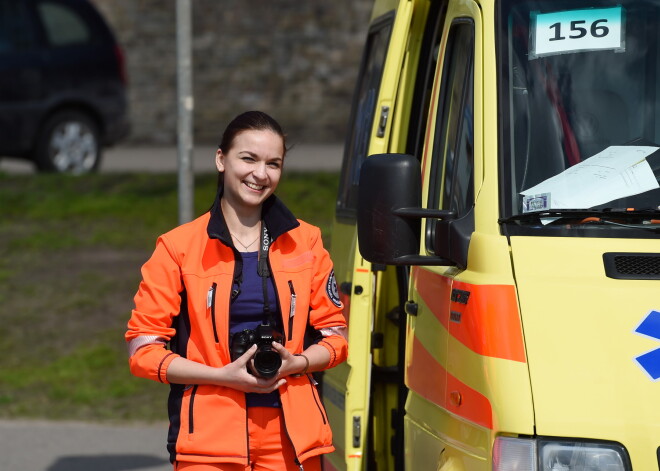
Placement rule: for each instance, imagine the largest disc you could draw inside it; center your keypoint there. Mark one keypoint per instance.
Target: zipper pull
(210, 296)
(292, 309)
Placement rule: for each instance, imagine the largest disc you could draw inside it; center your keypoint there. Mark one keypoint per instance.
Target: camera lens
(267, 362)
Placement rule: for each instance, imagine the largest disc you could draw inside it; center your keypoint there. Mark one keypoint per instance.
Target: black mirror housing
(388, 182)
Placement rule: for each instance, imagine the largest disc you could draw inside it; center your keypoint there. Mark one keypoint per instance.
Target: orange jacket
(183, 300)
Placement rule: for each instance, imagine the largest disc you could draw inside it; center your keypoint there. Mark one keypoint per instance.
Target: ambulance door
(388, 389)
(448, 165)
(346, 389)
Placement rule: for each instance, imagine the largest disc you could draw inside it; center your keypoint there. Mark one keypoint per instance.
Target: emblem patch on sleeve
(331, 289)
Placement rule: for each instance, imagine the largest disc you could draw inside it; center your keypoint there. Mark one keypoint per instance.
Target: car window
(452, 153)
(452, 178)
(364, 107)
(16, 29)
(63, 25)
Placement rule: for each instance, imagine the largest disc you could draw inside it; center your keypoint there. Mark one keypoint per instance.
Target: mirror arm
(414, 260)
(423, 213)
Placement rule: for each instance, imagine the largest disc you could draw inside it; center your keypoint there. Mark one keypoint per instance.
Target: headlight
(518, 454)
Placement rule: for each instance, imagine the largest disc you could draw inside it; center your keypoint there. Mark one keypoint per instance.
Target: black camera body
(266, 361)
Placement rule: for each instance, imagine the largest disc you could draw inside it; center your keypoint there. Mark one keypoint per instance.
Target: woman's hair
(250, 121)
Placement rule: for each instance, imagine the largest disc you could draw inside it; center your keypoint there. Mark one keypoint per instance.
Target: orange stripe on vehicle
(435, 290)
(489, 324)
(472, 405)
(362, 270)
(425, 375)
(429, 379)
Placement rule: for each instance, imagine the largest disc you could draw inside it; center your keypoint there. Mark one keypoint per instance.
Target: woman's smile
(254, 186)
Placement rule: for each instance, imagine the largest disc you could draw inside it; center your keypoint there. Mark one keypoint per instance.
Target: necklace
(244, 246)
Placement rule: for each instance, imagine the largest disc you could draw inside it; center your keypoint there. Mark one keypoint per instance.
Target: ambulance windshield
(580, 103)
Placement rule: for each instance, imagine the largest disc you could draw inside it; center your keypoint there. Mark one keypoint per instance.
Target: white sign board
(614, 173)
(569, 31)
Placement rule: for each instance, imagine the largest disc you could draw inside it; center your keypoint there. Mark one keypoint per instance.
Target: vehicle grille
(632, 266)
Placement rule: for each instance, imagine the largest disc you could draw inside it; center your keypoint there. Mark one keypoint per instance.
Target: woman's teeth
(254, 187)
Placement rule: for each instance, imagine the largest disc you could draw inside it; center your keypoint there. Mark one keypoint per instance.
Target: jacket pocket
(191, 410)
(213, 421)
(210, 304)
(317, 399)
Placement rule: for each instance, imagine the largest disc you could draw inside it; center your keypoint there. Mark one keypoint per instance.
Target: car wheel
(68, 143)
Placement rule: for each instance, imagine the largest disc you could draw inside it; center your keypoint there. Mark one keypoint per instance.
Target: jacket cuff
(164, 364)
(333, 353)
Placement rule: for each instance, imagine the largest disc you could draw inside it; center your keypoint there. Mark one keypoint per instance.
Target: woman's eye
(274, 165)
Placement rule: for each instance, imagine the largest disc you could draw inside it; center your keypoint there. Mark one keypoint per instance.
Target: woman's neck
(241, 223)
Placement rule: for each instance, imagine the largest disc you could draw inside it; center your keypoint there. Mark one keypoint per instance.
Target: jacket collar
(278, 218)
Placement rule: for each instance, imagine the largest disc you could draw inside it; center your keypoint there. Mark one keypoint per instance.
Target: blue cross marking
(650, 361)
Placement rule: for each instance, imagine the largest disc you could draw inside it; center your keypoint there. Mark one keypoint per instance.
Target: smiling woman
(234, 293)
(251, 171)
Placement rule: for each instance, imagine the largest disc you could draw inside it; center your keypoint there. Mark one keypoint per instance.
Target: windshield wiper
(635, 219)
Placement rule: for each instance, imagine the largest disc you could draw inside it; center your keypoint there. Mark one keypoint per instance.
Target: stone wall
(296, 60)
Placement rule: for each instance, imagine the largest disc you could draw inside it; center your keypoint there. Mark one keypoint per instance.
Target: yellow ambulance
(497, 240)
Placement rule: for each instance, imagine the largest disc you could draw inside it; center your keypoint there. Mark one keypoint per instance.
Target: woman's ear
(220, 160)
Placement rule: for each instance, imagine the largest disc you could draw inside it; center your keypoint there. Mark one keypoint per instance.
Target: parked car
(63, 84)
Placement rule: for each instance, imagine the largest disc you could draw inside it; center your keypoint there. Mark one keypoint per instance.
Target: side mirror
(389, 211)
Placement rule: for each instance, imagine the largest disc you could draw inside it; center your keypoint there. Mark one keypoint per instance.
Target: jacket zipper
(191, 415)
(210, 301)
(317, 400)
(292, 309)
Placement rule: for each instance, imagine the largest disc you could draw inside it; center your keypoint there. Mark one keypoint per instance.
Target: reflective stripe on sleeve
(142, 341)
(339, 330)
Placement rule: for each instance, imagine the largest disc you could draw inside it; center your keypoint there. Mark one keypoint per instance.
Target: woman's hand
(317, 358)
(236, 375)
(290, 363)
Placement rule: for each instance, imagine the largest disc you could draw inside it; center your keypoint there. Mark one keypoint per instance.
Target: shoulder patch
(331, 289)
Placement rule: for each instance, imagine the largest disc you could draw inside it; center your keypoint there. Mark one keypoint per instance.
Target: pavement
(38, 445)
(301, 157)
(32, 445)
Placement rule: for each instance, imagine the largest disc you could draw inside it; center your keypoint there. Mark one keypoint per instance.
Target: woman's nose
(260, 170)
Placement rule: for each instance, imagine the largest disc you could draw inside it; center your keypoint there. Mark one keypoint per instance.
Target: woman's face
(252, 168)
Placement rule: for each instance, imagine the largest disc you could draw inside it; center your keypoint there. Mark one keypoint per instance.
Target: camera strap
(264, 271)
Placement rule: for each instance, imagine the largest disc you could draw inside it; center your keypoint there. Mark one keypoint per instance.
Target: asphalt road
(300, 157)
(77, 446)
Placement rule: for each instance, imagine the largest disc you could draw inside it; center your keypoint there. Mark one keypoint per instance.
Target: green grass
(70, 254)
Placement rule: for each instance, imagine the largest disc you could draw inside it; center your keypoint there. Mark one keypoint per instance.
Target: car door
(346, 388)
(21, 84)
(450, 173)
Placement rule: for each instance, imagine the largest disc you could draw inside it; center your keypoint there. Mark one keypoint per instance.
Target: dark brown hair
(250, 121)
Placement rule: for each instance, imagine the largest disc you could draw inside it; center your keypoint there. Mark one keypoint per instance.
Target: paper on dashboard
(614, 173)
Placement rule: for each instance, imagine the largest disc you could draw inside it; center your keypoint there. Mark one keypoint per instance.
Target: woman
(234, 294)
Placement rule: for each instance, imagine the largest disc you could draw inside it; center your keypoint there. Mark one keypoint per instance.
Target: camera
(266, 361)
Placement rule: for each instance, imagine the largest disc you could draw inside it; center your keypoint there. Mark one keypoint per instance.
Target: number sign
(563, 32)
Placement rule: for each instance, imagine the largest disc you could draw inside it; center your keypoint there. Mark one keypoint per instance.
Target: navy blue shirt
(246, 311)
